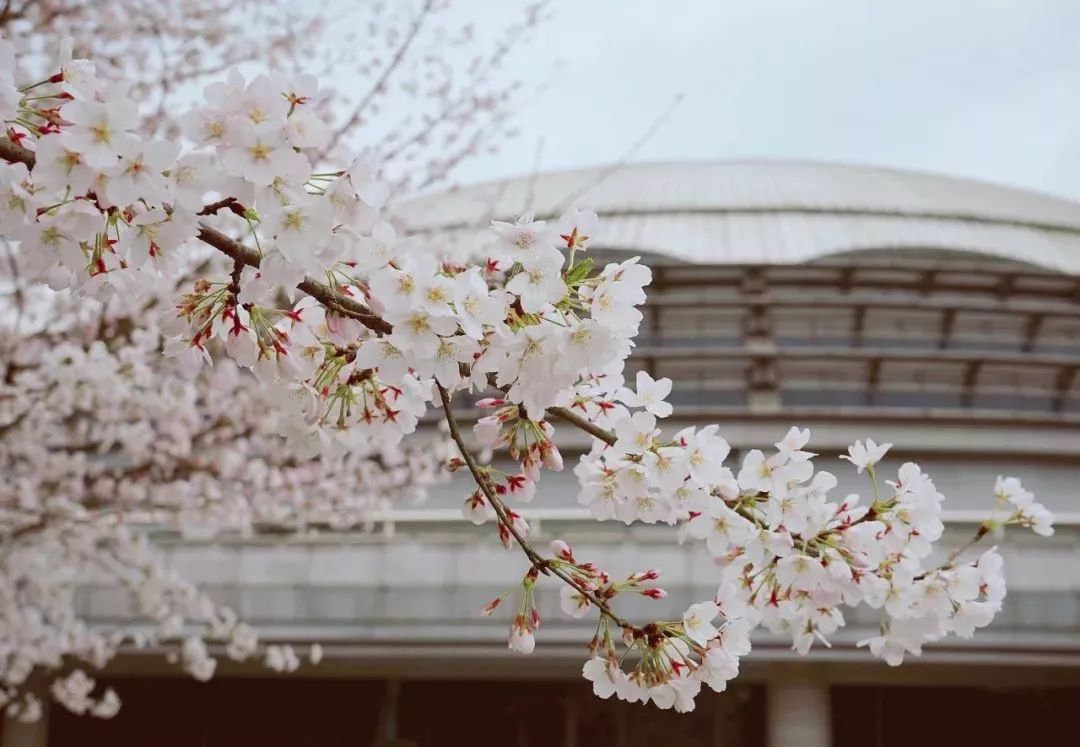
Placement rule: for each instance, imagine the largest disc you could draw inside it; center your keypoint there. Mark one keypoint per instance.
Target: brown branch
(12, 152)
(539, 563)
(576, 420)
(331, 297)
(328, 296)
(321, 292)
(229, 203)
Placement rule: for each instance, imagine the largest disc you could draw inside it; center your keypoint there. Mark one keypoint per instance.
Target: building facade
(939, 314)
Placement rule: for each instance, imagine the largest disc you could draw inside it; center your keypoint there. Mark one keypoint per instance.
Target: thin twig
(320, 291)
(541, 564)
(576, 420)
(950, 562)
(380, 84)
(604, 174)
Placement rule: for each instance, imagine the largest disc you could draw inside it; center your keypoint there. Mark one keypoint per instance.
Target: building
(940, 314)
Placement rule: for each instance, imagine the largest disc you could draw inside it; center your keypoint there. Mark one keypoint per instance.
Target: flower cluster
(426, 53)
(103, 436)
(384, 329)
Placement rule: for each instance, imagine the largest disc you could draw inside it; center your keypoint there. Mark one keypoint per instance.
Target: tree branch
(380, 84)
(541, 564)
(321, 292)
(340, 303)
(12, 152)
(576, 420)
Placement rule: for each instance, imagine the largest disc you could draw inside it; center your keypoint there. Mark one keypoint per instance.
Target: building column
(799, 714)
(570, 721)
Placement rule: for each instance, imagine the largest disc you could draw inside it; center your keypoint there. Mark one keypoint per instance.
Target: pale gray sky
(980, 88)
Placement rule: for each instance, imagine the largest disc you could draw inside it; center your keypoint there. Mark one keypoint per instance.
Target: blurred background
(861, 219)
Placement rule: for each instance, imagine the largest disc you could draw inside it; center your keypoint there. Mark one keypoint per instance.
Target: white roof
(769, 212)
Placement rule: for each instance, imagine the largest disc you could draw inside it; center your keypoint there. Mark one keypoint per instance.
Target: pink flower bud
(551, 456)
(490, 402)
(488, 431)
(653, 593)
(649, 575)
(488, 608)
(562, 550)
(521, 638)
(334, 322)
(520, 487)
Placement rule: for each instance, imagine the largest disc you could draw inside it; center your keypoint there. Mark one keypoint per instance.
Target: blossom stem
(541, 564)
(873, 481)
(576, 420)
(981, 532)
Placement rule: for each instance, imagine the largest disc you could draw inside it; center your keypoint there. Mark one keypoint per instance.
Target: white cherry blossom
(314, 393)
(650, 395)
(866, 454)
(697, 622)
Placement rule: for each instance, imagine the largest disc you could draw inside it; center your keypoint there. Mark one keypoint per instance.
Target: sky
(980, 88)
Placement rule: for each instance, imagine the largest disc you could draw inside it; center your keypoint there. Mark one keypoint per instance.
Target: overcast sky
(981, 88)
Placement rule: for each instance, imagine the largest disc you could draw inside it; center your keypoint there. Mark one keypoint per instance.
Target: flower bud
(562, 550)
(551, 456)
(488, 431)
(488, 608)
(521, 638)
(520, 525)
(653, 593)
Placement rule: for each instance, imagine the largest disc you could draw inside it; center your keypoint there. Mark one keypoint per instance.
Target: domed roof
(771, 212)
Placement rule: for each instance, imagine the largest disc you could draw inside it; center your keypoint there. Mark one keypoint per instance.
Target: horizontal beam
(833, 354)
(384, 524)
(453, 515)
(811, 210)
(866, 272)
(917, 302)
(772, 660)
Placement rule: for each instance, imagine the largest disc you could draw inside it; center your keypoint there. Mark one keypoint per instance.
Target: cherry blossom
(338, 339)
(650, 395)
(865, 455)
(697, 622)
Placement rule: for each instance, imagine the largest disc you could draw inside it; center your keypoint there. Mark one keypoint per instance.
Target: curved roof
(771, 212)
